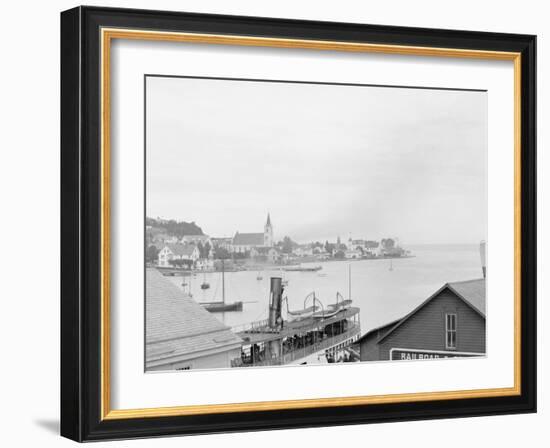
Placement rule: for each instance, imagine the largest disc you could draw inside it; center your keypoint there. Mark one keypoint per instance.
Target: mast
(349, 281)
(223, 281)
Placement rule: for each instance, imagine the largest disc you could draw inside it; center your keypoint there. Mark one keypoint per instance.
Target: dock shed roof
(176, 325)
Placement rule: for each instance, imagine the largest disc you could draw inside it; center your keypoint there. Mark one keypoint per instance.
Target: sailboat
(391, 265)
(259, 276)
(219, 307)
(205, 284)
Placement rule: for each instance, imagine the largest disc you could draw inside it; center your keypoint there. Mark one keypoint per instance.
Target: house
(163, 238)
(223, 242)
(188, 253)
(180, 334)
(304, 250)
(353, 253)
(244, 242)
(269, 254)
(196, 239)
(450, 323)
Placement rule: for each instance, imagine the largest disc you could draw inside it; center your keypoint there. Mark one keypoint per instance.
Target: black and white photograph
(298, 223)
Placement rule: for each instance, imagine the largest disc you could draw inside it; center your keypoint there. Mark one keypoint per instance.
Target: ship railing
(250, 326)
(307, 350)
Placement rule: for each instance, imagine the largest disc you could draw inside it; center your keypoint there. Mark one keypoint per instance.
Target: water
(382, 295)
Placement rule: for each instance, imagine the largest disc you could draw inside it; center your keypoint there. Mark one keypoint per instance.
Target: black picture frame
(81, 224)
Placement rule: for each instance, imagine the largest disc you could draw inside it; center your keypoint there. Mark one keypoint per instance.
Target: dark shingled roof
(264, 250)
(471, 291)
(181, 249)
(176, 325)
(248, 239)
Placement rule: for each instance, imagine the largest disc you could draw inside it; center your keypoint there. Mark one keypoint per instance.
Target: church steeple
(268, 232)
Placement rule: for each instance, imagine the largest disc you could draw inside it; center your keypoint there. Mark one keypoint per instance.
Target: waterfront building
(450, 323)
(304, 250)
(195, 239)
(180, 334)
(204, 264)
(223, 242)
(353, 253)
(269, 254)
(162, 238)
(245, 242)
(189, 253)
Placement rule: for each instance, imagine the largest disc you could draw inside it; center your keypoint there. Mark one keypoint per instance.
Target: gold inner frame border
(107, 35)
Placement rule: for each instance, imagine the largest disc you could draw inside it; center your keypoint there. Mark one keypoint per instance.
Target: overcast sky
(324, 160)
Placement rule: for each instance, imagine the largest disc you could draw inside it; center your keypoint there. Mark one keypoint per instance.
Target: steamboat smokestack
(482, 254)
(275, 302)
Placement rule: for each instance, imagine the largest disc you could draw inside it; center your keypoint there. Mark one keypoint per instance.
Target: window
(450, 331)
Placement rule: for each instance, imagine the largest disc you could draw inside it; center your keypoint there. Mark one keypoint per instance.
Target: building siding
(425, 330)
(219, 360)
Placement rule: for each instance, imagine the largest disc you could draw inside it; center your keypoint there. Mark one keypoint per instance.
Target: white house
(304, 250)
(178, 251)
(196, 239)
(353, 253)
(270, 253)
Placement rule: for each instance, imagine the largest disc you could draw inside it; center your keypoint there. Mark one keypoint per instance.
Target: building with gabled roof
(244, 242)
(180, 334)
(188, 253)
(450, 323)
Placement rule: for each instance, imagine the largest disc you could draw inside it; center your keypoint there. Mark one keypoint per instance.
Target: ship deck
(290, 328)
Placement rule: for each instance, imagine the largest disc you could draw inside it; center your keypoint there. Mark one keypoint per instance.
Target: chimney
(482, 254)
(275, 302)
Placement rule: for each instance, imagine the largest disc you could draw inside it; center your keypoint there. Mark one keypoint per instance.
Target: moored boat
(220, 307)
(302, 268)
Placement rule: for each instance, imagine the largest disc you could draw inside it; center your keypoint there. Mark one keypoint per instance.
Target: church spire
(268, 223)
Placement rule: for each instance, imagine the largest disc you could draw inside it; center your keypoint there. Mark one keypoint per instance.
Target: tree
(221, 253)
(329, 247)
(207, 249)
(201, 249)
(151, 254)
(387, 243)
(340, 254)
(288, 245)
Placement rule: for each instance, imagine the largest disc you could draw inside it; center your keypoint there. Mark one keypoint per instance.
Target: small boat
(259, 276)
(205, 284)
(339, 305)
(299, 314)
(303, 268)
(184, 284)
(220, 307)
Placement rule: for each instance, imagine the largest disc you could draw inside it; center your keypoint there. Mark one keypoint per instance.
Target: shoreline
(172, 271)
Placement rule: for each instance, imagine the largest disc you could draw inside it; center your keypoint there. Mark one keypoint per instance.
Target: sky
(323, 160)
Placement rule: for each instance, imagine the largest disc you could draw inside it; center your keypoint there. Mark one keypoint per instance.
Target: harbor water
(384, 290)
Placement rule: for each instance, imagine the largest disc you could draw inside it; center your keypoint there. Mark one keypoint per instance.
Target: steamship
(316, 334)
